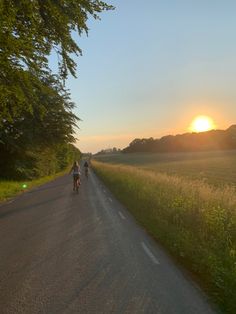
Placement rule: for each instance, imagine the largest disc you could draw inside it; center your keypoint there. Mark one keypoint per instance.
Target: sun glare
(202, 124)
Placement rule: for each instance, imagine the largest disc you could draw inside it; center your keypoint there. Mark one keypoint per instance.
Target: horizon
(158, 138)
(155, 138)
(149, 71)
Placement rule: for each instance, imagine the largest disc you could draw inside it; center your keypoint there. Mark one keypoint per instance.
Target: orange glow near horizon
(202, 124)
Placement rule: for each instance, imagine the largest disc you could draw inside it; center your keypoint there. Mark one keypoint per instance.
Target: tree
(49, 125)
(188, 142)
(36, 113)
(29, 32)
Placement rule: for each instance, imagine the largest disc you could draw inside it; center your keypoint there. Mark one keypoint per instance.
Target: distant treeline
(188, 142)
(113, 150)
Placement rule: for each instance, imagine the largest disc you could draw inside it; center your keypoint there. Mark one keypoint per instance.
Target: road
(62, 252)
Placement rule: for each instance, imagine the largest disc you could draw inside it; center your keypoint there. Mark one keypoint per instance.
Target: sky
(149, 67)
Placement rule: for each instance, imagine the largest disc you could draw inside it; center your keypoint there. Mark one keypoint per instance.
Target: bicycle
(86, 172)
(76, 183)
(86, 166)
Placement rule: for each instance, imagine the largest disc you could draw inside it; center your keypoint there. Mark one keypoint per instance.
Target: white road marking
(149, 253)
(121, 215)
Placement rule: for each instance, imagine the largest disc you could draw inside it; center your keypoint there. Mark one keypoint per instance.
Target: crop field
(217, 168)
(188, 203)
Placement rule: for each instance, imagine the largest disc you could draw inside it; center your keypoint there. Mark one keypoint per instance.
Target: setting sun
(202, 124)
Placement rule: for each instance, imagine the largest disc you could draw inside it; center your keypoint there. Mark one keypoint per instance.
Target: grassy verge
(9, 189)
(196, 222)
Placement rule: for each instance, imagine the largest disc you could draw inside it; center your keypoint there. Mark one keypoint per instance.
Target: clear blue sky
(149, 67)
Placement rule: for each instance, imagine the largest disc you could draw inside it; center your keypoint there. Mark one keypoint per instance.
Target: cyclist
(86, 166)
(76, 175)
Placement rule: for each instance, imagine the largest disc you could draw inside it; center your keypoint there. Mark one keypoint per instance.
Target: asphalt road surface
(62, 252)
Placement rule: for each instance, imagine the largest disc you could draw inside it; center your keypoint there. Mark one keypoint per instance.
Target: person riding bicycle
(86, 166)
(76, 175)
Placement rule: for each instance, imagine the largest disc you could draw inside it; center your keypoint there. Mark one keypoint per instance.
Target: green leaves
(35, 109)
(30, 30)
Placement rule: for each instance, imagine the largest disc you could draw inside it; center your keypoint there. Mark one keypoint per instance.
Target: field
(188, 203)
(217, 168)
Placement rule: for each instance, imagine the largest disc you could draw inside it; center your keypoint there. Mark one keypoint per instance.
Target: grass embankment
(10, 189)
(196, 222)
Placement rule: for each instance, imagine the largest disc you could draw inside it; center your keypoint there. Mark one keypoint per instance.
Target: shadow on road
(16, 210)
(43, 188)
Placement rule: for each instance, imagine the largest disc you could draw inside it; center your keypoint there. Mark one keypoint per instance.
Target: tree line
(37, 123)
(188, 142)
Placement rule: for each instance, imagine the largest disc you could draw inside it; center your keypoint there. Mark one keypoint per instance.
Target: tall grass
(195, 221)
